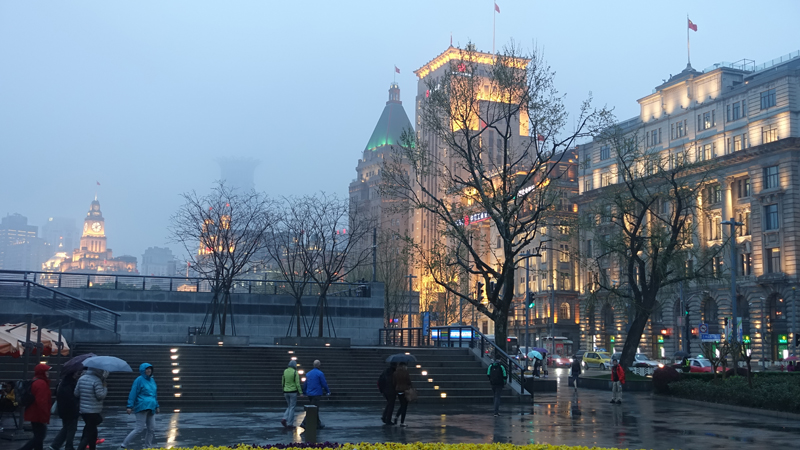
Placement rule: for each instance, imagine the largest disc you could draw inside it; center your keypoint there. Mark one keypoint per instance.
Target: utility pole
(527, 297)
(552, 316)
(794, 319)
(733, 223)
(410, 278)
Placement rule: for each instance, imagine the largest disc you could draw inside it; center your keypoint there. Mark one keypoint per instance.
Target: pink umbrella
(792, 358)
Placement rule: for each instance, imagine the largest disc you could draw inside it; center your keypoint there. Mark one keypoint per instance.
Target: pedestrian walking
(617, 380)
(290, 381)
(38, 412)
(386, 387)
(575, 371)
(91, 390)
(402, 383)
(68, 409)
(316, 387)
(537, 364)
(497, 378)
(143, 401)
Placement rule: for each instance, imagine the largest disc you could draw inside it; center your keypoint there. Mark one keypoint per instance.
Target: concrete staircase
(224, 377)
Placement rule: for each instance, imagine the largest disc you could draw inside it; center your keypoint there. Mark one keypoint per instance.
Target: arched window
(776, 308)
(710, 315)
(657, 316)
(564, 311)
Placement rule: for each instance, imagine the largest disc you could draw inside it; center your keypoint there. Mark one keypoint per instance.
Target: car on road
(701, 365)
(601, 360)
(640, 360)
(560, 361)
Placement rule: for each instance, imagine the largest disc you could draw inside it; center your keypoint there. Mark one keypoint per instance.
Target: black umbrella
(681, 354)
(401, 358)
(75, 364)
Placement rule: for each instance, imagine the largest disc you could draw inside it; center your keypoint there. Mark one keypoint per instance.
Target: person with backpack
(386, 387)
(497, 378)
(575, 371)
(290, 381)
(617, 380)
(143, 402)
(35, 397)
(68, 409)
(91, 390)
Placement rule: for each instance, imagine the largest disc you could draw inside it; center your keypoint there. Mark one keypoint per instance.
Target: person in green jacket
(291, 389)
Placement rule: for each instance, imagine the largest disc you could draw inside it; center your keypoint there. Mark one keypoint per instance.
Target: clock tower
(94, 230)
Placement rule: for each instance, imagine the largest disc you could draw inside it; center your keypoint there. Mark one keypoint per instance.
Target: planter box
(313, 341)
(605, 385)
(540, 385)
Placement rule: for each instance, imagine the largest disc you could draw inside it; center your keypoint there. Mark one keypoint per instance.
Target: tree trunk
(298, 307)
(634, 337)
(322, 305)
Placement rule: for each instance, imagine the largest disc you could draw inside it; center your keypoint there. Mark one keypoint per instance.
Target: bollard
(310, 434)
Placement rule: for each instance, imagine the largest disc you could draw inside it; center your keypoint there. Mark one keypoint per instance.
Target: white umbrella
(107, 363)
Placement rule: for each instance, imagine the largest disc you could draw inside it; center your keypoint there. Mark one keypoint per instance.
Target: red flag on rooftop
(98, 183)
(539, 137)
(692, 25)
(497, 8)
(396, 69)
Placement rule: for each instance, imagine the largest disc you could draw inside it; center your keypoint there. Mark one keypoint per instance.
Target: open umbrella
(540, 350)
(681, 354)
(75, 364)
(108, 363)
(401, 358)
(792, 358)
(534, 354)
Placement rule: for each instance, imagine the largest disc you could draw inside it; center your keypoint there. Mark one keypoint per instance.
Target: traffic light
(529, 300)
(660, 338)
(725, 321)
(686, 310)
(613, 339)
(479, 288)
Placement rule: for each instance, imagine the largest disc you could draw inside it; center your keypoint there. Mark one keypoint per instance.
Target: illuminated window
(769, 135)
(773, 261)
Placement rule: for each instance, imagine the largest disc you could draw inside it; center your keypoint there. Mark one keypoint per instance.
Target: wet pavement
(585, 418)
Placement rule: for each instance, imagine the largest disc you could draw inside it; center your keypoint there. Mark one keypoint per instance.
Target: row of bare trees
(228, 234)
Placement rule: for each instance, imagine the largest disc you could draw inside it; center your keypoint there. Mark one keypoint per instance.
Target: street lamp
(733, 223)
(410, 278)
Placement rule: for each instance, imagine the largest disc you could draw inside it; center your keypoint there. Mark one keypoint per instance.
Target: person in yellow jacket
(291, 389)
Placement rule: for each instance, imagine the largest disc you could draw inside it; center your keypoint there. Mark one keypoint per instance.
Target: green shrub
(662, 377)
(779, 393)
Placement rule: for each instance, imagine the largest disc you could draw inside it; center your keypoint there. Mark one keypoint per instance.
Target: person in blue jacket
(316, 386)
(143, 402)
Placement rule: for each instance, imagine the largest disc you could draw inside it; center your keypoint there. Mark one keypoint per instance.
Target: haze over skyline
(144, 97)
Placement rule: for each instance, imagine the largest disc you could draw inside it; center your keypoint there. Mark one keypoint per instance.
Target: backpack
(23, 393)
(496, 376)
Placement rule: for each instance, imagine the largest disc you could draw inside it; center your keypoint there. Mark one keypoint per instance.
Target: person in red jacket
(38, 413)
(617, 380)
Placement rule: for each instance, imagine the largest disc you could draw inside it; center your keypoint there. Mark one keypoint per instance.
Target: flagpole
(494, 18)
(688, 48)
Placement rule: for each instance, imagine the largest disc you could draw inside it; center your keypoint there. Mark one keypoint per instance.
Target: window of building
(743, 188)
(744, 219)
(705, 152)
(768, 99)
(716, 230)
(659, 136)
(771, 217)
(773, 260)
(499, 242)
(589, 249)
(745, 264)
(563, 254)
(734, 111)
(563, 312)
(605, 152)
(605, 179)
(770, 177)
(587, 184)
(716, 191)
(716, 267)
(769, 135)
(706, 120)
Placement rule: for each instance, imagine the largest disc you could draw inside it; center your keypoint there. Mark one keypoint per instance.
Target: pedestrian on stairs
(290, 381)
(143, 402)
(497, 378)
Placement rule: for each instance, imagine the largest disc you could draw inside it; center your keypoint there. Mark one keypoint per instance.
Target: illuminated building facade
(744, 121)
(93, 254)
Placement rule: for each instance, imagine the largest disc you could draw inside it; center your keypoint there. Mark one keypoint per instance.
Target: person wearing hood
(68, 409)
(38, 413)
(143, 402)
(291, 389)
(91, 390)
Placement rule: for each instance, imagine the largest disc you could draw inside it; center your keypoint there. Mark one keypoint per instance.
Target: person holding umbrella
(91, 390)
(38, 413)
(67, 405)
(143, 402)
(402, 383)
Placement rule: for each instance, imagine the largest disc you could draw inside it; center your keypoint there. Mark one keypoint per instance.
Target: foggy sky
(144, 96)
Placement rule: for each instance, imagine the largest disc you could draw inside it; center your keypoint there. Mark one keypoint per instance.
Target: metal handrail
(117, 281)
(63, 303)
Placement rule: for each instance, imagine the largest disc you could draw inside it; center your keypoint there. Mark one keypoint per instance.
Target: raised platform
(208, 339)
(313, 341)
(541, 384)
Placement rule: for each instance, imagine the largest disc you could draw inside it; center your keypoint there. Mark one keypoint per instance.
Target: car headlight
(660, 365)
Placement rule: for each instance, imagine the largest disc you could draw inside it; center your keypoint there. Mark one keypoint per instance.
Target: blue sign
(426, 322)
(710, 337)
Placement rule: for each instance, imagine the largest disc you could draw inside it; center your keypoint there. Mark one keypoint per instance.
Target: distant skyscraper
(158, 261)
(61, 233)
(238, 173)
(14, 231)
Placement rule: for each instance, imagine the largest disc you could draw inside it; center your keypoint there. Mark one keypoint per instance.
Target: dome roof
(392, 123)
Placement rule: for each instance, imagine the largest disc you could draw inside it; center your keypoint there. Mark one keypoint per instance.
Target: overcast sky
(143, 96)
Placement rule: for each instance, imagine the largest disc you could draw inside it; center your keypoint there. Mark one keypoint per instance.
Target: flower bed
(412, 446)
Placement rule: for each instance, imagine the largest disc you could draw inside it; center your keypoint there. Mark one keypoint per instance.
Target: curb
(735, 408)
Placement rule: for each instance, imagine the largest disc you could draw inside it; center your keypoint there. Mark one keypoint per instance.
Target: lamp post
(552, 317)
(733, 223)
(794, 319)
(410, 278)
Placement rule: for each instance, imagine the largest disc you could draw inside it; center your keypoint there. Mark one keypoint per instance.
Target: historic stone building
(742, 122)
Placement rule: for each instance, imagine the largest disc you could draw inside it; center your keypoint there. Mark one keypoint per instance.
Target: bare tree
(287, 246)
(499, 127)
(644, 230)
(221, 233)
(333, 251)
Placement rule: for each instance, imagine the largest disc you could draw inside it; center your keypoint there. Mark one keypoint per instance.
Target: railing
(175, 284)
(60, 302)
(402, 337)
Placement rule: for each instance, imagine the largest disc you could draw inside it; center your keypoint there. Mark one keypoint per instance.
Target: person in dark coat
(38, 413)
(575, 371)
(386, 386)
(402, 382)
(68, 409)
